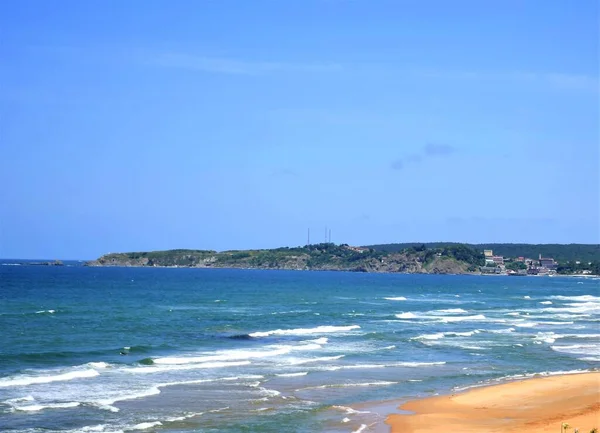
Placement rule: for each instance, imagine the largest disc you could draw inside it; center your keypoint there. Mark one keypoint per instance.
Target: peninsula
(439, 258)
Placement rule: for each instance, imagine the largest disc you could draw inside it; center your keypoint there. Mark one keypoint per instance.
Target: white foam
(397, 298)
(305, 331)
(440, 335)
(451, 311)
(24, 380)
(546, 337)
(585, 298)
(269, 392)
(525, 324)
(578, 349)
(546, 302)
(350, 385)
(526, 297)
(308, 347)
(435, 336)
(322, 340)
(303, 373)
(227, 355)
(18, 400)
(184, 417)
(38, 407)
(360, 429)
(310, 360)
(406, 316)
(98, 364)
(45, 311)
(201, 365)
(107, 403)
(146, 425)
(521, 376)
(355, 367)
(590, 358)
(418, 364)
(464, 318)
(502, 331)
(349, 410)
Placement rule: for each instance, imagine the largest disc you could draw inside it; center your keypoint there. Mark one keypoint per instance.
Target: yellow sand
(534, 405)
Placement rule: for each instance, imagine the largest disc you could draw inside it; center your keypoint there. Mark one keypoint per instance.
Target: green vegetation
(516, 266)
(579, 268)
(414, 258)
(560, 252)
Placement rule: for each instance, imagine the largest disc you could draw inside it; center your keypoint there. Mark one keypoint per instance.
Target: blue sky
(145, 125)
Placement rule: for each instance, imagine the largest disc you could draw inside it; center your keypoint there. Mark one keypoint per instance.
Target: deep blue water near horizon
(215, 350)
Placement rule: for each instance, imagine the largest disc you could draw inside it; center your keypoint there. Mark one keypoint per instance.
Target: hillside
(456, 259)
(560, 252)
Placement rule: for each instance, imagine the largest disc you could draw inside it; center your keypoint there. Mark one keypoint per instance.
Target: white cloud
(232, 66)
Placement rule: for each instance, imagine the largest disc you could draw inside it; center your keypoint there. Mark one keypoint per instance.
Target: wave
(360, 429)
(146, 425)
(502, 331)
(397, 298)
(546, 302)
(24, 380)
(520, 377)
(440, 335)
(350, 385)
(448, 315)
(586, 298)
(45, 311)
(576, 307)
(464, 318)
(303, 373)
(230, 355)
(578, 349)
(38, 407)
(349, 410)
(451, 311)
(305, 331)
(311, 360)
(192, 366)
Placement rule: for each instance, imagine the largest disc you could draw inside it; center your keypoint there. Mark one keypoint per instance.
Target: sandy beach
(533, 405)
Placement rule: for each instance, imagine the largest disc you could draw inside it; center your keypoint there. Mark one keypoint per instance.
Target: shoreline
(478, 274)
(538, 404)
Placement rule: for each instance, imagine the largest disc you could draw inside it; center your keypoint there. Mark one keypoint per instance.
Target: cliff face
(313, 257)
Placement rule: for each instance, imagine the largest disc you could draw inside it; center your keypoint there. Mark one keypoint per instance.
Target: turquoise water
(207, 350)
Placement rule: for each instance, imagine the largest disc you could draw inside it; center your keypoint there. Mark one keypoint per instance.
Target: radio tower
(308, 241)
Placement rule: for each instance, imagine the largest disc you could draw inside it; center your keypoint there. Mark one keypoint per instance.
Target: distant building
(547, 262)
(488, 253)
(520, 259)
(498, 260)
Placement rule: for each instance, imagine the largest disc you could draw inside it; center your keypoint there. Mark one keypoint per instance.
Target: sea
(85, 349)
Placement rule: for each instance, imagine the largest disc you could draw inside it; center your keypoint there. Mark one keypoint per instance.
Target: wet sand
(533, 405)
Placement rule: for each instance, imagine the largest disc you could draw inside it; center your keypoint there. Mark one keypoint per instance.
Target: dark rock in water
(241, 337)
(146, 361)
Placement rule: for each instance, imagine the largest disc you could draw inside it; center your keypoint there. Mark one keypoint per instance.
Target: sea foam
(24, 380)
(305, 331)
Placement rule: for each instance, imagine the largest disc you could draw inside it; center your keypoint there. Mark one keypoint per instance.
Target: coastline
(539, 404)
